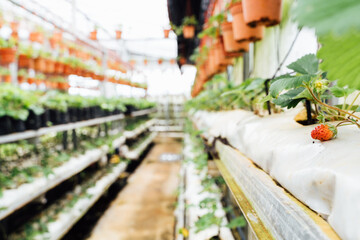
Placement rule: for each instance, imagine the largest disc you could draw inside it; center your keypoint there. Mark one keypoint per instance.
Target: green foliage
(247, 95)
(10, 43)
(189, 20)
(341, 58)
(237, 222)
(337, 16)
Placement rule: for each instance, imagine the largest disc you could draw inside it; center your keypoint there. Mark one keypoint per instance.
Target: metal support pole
(65, 140)
(74, 139)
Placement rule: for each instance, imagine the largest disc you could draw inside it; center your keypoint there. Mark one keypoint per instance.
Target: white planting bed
(14, 199)
(323, 175)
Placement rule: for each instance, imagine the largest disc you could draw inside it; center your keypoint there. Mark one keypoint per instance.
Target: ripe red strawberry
(323, 132)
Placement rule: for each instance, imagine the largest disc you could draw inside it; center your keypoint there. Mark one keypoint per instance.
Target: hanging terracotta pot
(57, 36)
(7, 79)
(166, 33)
(172, 61)
(221, 60)
(262, 12)
(7, 55)
(188, 31)
(36, 37)
(93, 35)
(40, 64)
(72, 51)
(25, 62)
(145, 61)
(160, 61)
(182, 61)
(230, 44)
(118, 34)
(242, 32)
(53, 42)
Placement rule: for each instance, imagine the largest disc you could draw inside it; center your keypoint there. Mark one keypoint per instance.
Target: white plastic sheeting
(323, 175)
(194, 194)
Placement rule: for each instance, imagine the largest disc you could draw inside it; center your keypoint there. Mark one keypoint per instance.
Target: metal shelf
(271, 212)
(143, 112)
(66, 220)
(135, 154)
(58, 128)
(14, 199)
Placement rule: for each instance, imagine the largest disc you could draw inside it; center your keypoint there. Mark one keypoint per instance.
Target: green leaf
(288, 99)
(257, 83)
(340, 91)
(237, 222)
(288, 82)
(357, 109)
(305, 94)
(337, 16)
(341, 59)
(307, 64)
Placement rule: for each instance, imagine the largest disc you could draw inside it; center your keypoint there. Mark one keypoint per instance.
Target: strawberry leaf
(337, 16)
(341, 59)
(307, 64)
(287, 82)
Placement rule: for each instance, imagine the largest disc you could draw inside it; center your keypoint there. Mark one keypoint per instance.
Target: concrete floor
(144, 209)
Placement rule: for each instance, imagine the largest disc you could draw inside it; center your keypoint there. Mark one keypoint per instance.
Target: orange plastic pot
(20, 79)
(7, 55)
(36, 37)
(262, 12)
(93, 35)
(59, 68)
(189, 31)
(220, 58)
(72, 51)
(15, 36)
(40, 64)
(242, 32)
(7, 79)
(118, 34)
(30, 80)
(38, 81)
(14, 26)
(25, 62)
(166, 33)
(53, 42)
(160, 61)
(230, 44)
(50, 66)
(68, 69)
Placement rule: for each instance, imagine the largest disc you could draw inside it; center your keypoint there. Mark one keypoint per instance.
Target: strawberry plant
(309, 83)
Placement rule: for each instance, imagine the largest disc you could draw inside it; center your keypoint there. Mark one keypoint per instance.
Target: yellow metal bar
(261, 232)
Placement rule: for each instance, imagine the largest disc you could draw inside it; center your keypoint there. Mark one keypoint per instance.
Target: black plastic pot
(45, 118)
(98, 112)
(63, 118)
(88, 113)
(33, 122)
(107, 113)
(54, 116)
(73, 114)
(5, 125)
(18, 125)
